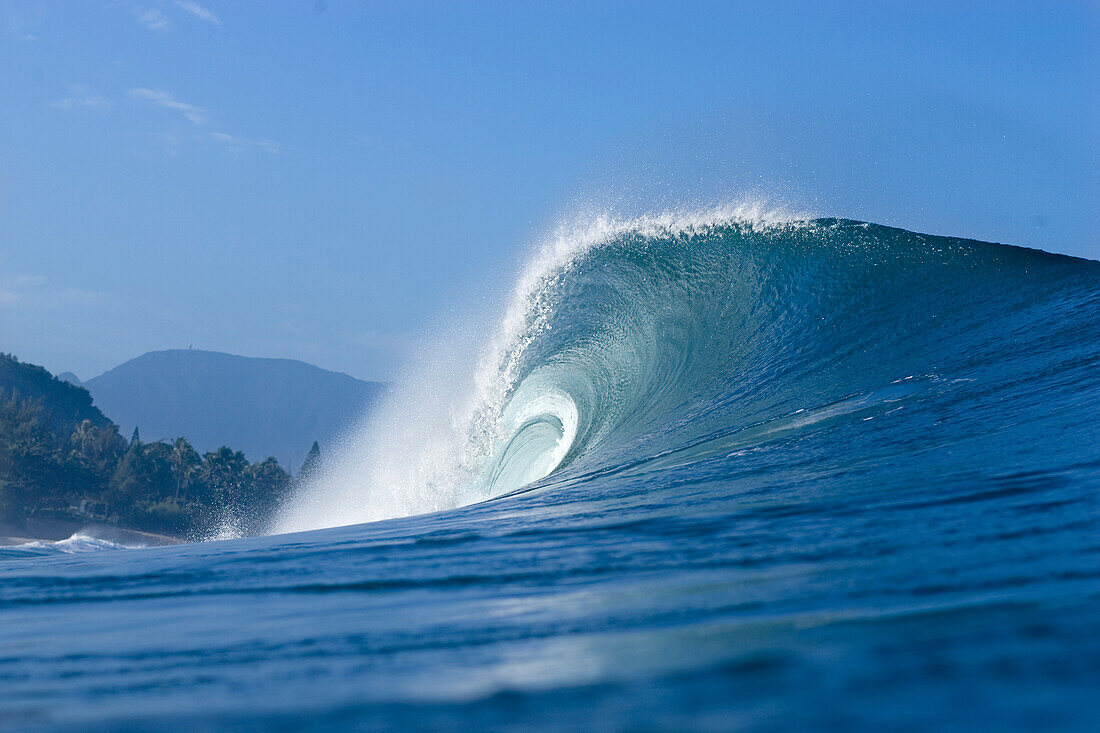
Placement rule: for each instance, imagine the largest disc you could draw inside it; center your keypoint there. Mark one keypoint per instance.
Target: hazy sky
(321, 180)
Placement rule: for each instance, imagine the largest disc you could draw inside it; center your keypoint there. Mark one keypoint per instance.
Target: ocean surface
(708, 472)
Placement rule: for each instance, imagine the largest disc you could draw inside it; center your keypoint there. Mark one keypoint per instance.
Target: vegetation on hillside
(60, 457)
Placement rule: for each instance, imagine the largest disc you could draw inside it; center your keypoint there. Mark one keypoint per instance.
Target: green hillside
(64, 404)
(62, 459)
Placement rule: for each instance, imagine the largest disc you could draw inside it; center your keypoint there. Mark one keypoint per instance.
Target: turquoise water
(713, 475)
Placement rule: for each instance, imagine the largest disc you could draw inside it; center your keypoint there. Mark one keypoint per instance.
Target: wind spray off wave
(635, 345)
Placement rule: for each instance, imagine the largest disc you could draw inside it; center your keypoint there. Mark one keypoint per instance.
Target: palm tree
(184, 459)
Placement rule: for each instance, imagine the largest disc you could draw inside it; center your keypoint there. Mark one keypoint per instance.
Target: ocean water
(711, 472)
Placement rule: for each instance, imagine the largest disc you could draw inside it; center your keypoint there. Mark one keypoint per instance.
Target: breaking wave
(635, 345)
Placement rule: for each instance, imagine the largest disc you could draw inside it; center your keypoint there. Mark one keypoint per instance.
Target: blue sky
(322, 181)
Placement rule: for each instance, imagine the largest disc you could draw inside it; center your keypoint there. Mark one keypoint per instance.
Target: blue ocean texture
(715, 475)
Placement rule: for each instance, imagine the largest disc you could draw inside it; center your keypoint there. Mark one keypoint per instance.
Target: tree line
(78, 466)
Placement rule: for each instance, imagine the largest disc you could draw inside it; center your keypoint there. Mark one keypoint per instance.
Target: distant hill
(64, 403)
(264, 407)
(70, 378)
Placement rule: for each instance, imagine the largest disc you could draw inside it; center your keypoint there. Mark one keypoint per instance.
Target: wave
(79, 542)
(634, 345)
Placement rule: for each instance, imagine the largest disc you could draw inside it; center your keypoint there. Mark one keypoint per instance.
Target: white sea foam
(79, 542)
